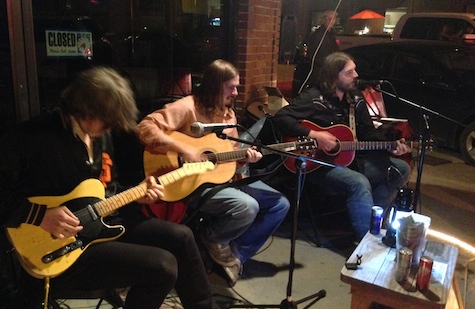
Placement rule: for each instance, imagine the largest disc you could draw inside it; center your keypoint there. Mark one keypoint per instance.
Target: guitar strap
(351, 114)
(351, 119)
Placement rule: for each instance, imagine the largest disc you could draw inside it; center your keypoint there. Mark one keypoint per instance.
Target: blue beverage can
(376, 220)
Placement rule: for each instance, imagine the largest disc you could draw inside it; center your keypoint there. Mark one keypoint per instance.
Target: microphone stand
(424, 137)
(423, 108)
(300, 162)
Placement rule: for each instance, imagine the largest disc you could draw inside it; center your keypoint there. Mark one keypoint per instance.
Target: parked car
(432, 78)
(434, 26)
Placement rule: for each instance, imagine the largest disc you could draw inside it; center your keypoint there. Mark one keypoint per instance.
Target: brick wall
(258, 37)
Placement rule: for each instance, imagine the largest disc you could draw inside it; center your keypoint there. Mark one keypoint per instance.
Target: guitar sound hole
(209, 156)
(336, 149)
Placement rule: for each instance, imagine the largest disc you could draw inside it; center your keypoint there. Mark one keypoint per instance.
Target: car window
(461, 62)
(421, 28)
(370, 63)
(414, 68)
(438, 29)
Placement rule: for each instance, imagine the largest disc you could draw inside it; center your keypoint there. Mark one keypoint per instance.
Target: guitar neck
(108, 206)
(241, 153)
(373, 145)
(368, 145)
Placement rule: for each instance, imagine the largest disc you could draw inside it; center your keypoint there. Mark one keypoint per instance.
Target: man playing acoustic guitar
(242, 218)
(320, 113)
(54, 174)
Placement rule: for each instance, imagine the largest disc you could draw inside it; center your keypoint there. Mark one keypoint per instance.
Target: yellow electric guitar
(213, 149)
(42, 256)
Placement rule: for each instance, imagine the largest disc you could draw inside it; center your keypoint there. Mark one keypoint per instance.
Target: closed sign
(68, 43)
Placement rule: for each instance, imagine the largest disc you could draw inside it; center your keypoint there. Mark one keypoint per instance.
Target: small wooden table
(373, 281)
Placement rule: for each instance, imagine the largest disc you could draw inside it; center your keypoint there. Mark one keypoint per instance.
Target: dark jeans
(152, 257)
(377, 184)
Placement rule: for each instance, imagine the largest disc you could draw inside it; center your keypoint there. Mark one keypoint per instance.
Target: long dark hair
(328, 75)
(209, 95)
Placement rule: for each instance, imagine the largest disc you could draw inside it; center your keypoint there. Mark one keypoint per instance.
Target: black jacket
(42, 157)
(327, 46)
(325, 112)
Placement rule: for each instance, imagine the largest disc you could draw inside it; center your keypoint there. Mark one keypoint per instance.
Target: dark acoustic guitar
(345, 151)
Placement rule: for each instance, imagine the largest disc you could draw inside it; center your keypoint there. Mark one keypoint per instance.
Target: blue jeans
(243, 217)
(376, 184)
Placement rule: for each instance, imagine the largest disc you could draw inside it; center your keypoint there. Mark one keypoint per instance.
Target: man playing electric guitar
(242, 217)
(68, 155)
(379, 175)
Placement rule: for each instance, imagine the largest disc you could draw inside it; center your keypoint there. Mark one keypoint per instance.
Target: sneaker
(223, 255)
(233, 273)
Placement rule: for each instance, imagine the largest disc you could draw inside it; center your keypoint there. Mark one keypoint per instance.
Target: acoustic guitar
(213, 149)
(344, 153)
(42, 255)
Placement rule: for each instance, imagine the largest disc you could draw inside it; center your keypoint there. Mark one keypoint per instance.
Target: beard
(229, 103)
(346, 86)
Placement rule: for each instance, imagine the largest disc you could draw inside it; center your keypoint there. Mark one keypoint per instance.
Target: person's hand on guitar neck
(325, 140)
(60, 222)
(154, 191)
(401, 147)
(252, 155)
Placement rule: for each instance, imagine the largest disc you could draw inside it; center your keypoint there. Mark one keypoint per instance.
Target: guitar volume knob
(47, 258)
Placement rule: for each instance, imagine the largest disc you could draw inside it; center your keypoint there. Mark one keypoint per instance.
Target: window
(460, 62)
(158, 45)
(436, 28)
(416, 69)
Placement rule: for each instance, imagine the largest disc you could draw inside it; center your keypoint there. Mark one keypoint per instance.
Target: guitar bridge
(48, 258)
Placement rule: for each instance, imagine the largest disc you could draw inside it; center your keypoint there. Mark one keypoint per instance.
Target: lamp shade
(367, 14)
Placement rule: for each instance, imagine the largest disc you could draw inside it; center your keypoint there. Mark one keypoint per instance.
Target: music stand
(300, 162)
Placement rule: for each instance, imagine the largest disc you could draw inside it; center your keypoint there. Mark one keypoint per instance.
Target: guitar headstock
(305, 143)
(428, 143)
(198, 167)
(417, 144)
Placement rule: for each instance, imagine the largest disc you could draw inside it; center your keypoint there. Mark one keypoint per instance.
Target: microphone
(198, 128)
(362, 84)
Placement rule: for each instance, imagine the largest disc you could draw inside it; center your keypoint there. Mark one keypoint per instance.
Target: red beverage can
(424, 273)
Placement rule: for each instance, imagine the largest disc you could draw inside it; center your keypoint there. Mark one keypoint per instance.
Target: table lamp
(402, 207)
